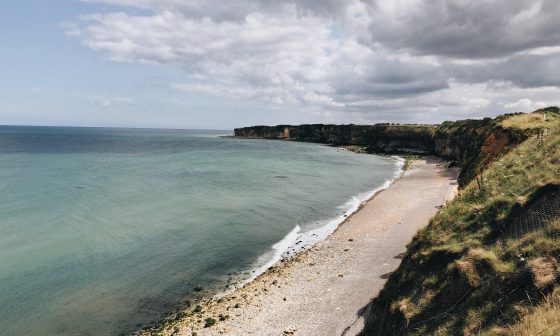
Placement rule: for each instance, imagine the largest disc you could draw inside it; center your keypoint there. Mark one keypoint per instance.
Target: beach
(326, 289)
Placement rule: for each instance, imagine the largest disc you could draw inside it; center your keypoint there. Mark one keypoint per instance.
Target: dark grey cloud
(465, 29)
(219, 10)
(522, 70)
(387, 78)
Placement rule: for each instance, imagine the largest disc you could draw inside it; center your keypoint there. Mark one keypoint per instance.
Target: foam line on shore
(296, 241)
(327, 227)
(277, 252)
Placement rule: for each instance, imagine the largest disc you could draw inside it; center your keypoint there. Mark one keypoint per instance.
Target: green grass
(542, 319)
(356, 149)
(542, 119)
(457, 277)
(209, 322)
(409, 160)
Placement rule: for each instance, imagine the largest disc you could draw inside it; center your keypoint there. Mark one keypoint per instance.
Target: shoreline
(239, 311)
(303, 241)
(308, 239)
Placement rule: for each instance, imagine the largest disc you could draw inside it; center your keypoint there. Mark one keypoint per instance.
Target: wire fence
(538, 215)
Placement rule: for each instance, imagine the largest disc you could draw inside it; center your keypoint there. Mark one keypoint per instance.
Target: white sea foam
(325, 228)
(278, 250)
(297, 241)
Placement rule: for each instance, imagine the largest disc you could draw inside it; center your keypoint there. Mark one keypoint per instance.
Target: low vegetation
(468, 272)
(409, 160)
(543, 319)
(356, 149)
(209, 322)
(547, 118)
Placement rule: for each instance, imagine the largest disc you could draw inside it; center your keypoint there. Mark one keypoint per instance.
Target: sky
(217, 64)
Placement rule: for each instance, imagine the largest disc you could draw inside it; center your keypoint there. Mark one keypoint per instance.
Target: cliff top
(547, 118)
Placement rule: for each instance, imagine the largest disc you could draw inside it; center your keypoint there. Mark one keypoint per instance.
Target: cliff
(380, 138)
(473, 144)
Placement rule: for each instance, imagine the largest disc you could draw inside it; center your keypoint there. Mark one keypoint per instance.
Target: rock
(209, 322)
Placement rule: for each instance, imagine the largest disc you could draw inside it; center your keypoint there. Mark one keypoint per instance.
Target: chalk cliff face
(379, 138)
(472, 143)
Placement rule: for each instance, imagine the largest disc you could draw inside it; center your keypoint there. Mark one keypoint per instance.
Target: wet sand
(326, 289)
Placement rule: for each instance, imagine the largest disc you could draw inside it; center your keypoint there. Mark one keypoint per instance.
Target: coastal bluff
(380, 138)
(471, 143)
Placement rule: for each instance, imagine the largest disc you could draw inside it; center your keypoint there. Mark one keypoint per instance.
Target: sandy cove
(325, 290)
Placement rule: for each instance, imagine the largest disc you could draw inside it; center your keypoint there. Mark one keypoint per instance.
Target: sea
(105, 230)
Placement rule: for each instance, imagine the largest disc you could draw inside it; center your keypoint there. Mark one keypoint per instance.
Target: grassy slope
(457, 278)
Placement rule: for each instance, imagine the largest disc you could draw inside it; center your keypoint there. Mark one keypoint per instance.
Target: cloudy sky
(222, 64)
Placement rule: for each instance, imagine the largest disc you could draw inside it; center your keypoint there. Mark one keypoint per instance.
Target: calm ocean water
(104, 230)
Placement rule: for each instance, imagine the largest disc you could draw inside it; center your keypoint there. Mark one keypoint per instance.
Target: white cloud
(478, 102)
(37, 89)
(381, 60)
(525, 104)
(104, 101)
(545, 51)
(101, 103)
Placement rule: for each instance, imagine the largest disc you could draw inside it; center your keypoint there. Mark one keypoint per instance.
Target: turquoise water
(105, 230)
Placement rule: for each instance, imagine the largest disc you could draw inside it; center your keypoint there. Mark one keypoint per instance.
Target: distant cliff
(380, 138)
(471, 143)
